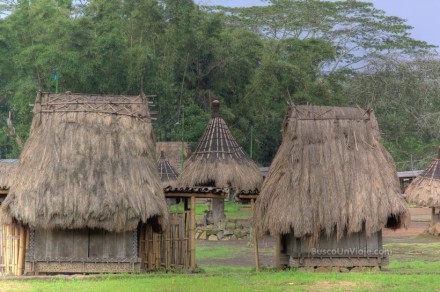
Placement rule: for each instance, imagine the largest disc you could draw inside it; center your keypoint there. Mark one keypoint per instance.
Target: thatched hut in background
(424, 191)
(219, 161)
(168, 174)
(173, 151)
(87, 184)
(331, 189)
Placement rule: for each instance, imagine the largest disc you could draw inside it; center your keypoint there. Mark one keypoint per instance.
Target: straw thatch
(7, 172)
(330, 174)
(424, 190)
(219, 160)
(168, 174)
(89, 162)
(173, 150)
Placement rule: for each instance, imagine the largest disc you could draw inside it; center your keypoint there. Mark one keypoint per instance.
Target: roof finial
(215, 108)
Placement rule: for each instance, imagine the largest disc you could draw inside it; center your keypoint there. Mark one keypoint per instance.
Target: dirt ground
(395, 240)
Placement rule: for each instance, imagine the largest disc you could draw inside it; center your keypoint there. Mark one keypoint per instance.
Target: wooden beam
(196, 195)
(22, 250)
(193, 232)
(433, 217)
(278, 251)
(248, 197)
(257, 259)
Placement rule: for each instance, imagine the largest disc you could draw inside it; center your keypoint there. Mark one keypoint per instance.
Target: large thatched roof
(7, 172)
(89, 162)
(168, 174)
(424, 190)
(219, 160)
(330, 174)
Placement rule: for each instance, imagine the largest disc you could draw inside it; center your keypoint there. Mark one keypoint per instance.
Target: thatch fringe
(219, 160)
(90, 169)
(330, 174)
(424, 190)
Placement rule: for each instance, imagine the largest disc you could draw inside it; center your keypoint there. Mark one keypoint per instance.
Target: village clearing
(228, 266)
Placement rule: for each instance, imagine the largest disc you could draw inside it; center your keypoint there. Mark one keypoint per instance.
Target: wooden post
(16, 247)
(433, 217)
(278, 251)
(257, 259)
(7, 249)
(218, 210)
(22, 250)
(193, 232)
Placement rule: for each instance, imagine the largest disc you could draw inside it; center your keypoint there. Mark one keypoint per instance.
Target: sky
(423, 15)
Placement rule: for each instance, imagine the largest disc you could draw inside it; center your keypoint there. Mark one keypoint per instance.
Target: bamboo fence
(12, 249)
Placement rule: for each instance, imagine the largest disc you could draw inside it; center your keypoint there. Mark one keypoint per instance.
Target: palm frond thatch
(424, 190)
(219, 160)
(330, 174)
(89, 162)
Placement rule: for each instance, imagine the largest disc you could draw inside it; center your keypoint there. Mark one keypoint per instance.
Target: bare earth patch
(14, 286)
(341, 285)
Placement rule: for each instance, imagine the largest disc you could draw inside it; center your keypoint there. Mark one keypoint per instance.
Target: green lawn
(225, 279)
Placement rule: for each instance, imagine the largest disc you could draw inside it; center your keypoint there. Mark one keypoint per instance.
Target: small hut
(173, 151)
(219, 161)
(87, 185)
(424, 190)
(330, 190)
(168, 174)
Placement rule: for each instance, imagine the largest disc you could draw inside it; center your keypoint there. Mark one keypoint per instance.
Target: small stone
(322, 270)
(344, 270)
(357, 270)
(335, 269)
(212, 237)
(306, 269)
(375, 269)
(220, 235)
(202, 235)
(228, 232)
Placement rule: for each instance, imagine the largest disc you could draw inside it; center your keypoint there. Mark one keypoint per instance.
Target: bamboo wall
(169, 250)
(13, 246)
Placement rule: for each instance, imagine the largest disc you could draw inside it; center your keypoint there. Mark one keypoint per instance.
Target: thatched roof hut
(173, 152)
(424, 190)
(168, 174)
(7, 172)
(219, 160)
(89, 162)
(331, 175)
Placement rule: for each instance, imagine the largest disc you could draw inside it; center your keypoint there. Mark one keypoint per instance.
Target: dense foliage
(254, 60)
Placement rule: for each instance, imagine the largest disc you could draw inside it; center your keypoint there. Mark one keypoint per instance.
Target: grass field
(240, 279)
(400, 275)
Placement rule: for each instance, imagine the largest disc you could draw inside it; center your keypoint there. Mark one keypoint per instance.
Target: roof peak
(215, 106)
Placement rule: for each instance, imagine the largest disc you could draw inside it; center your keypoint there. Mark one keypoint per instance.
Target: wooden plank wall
(169, 250)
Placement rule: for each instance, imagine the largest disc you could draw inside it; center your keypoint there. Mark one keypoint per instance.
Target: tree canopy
(254, 60)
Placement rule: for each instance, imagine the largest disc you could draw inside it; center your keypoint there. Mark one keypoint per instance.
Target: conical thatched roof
(173, 150)
(219, 160)
(168, 174)
(424, 190)
(7, 172)
(330, 174)
(89, 162)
